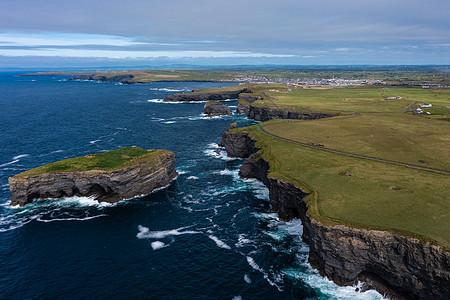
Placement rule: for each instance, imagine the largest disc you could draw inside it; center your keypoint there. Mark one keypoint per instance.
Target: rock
(238, 144)
(206, 96)
(139, 177)
(242, 109)
(400, 266)
(215, 108)
(269, 113)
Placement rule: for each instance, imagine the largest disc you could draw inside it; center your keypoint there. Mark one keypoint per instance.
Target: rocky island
(216, 108)
(110, 176)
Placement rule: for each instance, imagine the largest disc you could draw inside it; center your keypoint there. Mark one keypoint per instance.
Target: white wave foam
(242, 241)
(237, 297)
(254, 265)
(214, 146)
(20, 156)
(193, 177)
(216, 151)
(82, 201)
(157, 245)
(145, 233)
(260, 190)
(247, 279)
(57, 151)
(9, 163)
(156, 100)
(329, 288)
(70, 219)
(170, 90)
(218, 242)
(94, 141)
(226, 172)
(169, 122)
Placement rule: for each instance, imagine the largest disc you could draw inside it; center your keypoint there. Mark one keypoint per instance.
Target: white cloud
(134, 54)
(69, 39)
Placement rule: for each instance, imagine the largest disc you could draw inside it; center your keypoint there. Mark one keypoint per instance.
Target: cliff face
(214, 108)
(265, 114)
(397, 265)
(108, 186)
(205, 96)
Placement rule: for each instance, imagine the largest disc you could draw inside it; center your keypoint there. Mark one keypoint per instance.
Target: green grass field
(110, 160)
(359, 192)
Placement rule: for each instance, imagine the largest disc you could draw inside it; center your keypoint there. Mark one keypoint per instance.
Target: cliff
(215, 108)
(225, 95)
(139, 176)
(400, 266)
(97, 77)
(268, 113)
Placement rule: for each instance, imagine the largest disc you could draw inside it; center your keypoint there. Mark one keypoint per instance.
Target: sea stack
(216, 108)
(110, 176)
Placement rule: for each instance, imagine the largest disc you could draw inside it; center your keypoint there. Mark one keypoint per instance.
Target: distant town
(327, 81)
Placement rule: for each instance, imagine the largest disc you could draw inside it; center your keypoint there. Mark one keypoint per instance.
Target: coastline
(397, 265)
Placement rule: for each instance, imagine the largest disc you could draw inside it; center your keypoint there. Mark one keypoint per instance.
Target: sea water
(209, 235)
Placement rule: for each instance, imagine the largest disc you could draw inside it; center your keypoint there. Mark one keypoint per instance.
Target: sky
(61, 33)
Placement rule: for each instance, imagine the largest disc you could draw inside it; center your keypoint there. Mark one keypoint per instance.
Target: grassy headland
(110, 160)
(355, 191)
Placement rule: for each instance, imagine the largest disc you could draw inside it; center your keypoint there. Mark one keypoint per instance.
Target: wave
(70, 219)
(218, 242)
(145, 233)
(9, 163)
(247, 279)
(215, 151)
(20, 156)
(170, 90)
(158, 245)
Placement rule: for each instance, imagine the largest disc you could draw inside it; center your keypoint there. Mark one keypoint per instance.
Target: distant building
(426, 105)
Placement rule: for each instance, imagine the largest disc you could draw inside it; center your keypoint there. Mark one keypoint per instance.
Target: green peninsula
(372, 122)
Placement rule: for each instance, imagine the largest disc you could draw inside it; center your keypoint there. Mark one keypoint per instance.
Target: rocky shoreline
(399, 266)
(106, 185)
(188, 97)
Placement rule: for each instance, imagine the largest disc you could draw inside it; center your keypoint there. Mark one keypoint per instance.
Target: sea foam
(145, 233)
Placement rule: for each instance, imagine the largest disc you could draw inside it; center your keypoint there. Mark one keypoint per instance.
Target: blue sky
(153, 32)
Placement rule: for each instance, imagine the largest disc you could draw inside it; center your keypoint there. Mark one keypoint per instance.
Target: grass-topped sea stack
(215, 108)
(110, 176)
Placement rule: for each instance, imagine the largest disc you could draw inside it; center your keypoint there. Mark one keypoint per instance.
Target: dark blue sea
(209, 235)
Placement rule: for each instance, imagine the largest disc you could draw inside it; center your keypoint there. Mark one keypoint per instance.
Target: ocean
(209, 235)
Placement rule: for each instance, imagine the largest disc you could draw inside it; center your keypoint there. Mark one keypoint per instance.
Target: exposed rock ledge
(107, 185)
(400, 266)
(205, 96)
(214, 108)
(267, 113)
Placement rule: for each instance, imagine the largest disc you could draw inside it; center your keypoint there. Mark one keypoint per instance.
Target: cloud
(176, 28)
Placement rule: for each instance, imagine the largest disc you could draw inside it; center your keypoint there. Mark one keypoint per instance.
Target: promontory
(109, 176)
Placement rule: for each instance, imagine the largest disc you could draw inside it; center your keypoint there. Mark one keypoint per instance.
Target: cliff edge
(110, 176)
(397, 265)
(223, 95)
